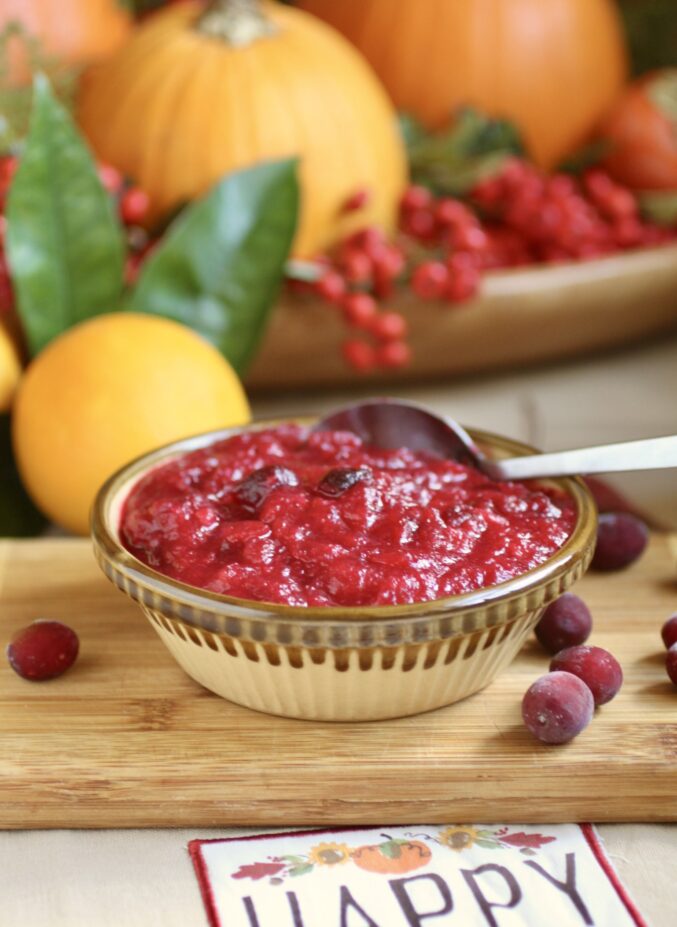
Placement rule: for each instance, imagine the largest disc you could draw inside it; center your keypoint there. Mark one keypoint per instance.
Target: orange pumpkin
(196, 94)
(400, 856)
(552, 66)
(71, 31)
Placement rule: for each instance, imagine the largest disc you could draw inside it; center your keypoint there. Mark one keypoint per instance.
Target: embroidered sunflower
(329, 854)
(458, 838)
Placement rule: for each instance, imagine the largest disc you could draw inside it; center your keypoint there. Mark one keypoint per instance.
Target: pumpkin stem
(237, 22)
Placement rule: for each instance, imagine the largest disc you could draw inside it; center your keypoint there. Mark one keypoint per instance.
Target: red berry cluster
(132, 204)
(517, 217)
(8, 166)
(355, 280)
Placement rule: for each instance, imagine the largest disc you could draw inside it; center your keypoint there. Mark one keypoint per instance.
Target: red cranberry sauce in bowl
(305, 518)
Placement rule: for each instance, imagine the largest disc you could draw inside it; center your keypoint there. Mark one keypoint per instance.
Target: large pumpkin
(200, 92)
(73, 32)
(553, 66)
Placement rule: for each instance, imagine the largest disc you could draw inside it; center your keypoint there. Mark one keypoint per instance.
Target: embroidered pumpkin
(553, 66)
(199, 92)
(393, 856)
(72, 31)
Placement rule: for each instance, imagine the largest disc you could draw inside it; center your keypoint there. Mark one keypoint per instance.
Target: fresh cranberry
(416, 197)
(359, 309)
(420, 224)
(430, 279)
(386, 268)
(566, 622)
(462, 285)
(669, 631)
(671, 663)
(331, 286)
(370, 239)
(557, 707)
(360, 355)
(252, 492)
(449, 212)
(621, 539)
(43, 650)
(470, 238)
(357, 200)
(356, 266)
(134, 204)
(393, 354)
(110, 177)
(389, 326)
(599, 670)
(341, 479)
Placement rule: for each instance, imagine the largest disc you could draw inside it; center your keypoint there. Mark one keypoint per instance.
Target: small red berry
(393, 354)
(669, 631)
(370, 239)
(596, 667)
(359, 309)
(110, 177)
(134, 205)
(557, 707)
(389, 326)
(453, 212)
(566, 622)
(359, 355)
(420, 223)
(357, 200)
(387, 267)
(8, 168)
(462, 285)
(356, 266)
(430, 280)
(43, 650)
(469, 238)
(416, 197)
(331, 286)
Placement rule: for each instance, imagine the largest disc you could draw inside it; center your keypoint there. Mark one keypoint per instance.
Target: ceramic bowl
(339, 663)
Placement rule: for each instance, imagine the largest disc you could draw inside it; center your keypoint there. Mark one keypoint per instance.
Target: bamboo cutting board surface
(125, 739)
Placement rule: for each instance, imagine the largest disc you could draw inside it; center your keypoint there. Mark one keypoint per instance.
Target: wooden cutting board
(125, 739)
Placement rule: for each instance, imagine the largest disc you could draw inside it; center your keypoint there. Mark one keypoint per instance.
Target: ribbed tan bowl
(339, 664)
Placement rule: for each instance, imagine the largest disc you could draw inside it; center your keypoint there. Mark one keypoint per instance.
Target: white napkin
(484, 875)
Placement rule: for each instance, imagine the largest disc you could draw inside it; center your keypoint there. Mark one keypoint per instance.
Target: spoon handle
(649, 454)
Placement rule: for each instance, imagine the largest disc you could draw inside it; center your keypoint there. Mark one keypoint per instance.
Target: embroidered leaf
(391, 849)
(301, 870)
(520, 839)
(488, 844)
(257, 870)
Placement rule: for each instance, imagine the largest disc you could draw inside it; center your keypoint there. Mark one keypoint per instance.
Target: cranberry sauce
(282, 515)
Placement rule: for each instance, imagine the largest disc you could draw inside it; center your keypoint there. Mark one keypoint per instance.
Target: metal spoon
(389, 423)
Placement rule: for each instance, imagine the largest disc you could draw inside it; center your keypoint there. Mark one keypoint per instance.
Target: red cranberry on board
(669, 631)
(599, 670)
(43, 650)
(566, 622)
(557, 707)
(621, 539)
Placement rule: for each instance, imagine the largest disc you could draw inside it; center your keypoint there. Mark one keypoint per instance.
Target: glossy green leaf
(64, 243)
(219, 267)
(18, 515)
(453, 161)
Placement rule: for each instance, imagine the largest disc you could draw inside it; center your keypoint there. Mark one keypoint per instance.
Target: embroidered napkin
(421, 876)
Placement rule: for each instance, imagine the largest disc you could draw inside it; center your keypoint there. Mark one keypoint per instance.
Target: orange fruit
(10, 368)
(106, 391)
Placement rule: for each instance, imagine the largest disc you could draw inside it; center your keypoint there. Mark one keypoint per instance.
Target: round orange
(106, 391)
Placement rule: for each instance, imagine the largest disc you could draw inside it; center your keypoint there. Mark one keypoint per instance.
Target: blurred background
(468, 202)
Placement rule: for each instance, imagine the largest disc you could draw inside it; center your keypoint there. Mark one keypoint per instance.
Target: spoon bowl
(392, 423)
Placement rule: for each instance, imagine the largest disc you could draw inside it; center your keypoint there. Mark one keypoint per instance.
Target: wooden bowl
(520, 317)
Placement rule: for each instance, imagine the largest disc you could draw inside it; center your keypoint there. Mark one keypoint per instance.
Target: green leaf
(64, 243)
(18, 515)
(220, 265)
(391, 849)
(301, 870)
(660, 206)
(453, 161)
